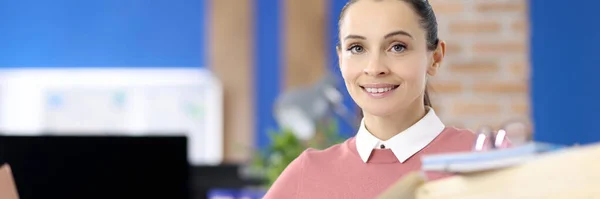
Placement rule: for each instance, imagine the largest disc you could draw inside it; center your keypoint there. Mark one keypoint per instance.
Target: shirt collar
(404, 144)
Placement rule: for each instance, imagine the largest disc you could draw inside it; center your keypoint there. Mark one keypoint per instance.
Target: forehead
(375, 18)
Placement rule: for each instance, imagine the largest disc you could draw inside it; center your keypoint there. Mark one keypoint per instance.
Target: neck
(386, 127)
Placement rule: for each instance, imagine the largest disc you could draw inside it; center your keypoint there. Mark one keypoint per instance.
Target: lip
(378, 85)
(379, 95)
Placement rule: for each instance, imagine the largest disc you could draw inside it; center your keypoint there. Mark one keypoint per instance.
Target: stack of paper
(485, 160)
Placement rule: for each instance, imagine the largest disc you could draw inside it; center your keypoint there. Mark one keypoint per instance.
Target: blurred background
(199, 85)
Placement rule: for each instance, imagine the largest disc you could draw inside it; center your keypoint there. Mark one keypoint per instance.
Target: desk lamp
(300, 110)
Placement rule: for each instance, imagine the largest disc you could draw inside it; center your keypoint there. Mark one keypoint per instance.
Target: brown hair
(428, 22)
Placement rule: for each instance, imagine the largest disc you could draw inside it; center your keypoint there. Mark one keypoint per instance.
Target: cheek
(350, 71)
(411, 75)
(412, 72)
(409, 72)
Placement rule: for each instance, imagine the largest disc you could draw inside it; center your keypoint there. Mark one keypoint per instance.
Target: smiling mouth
(380, 90)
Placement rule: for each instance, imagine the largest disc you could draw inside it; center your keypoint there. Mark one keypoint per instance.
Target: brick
(519, 69)
(520, 108)
(474, 27)
(494, 124)
(439, 107)
(519, 26)
(470, 41)
(500, 47)
(488, 67)
(444, 8)
(488, 6)
(453, 48)
(446, 86)
(475, 108)
(500, 87)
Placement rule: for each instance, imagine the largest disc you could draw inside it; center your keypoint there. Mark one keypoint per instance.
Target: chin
(379, 111)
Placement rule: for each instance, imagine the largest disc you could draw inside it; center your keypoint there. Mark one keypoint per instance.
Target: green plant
(285, 147)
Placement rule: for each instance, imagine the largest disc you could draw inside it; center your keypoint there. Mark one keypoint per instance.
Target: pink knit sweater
(338, 172)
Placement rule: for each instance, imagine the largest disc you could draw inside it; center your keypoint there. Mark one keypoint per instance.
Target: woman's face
(383, 56)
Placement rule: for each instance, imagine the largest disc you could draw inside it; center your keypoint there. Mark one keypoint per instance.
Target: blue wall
(269, 63)
(565, 68)
(267, 72)
(115, 33)
(335, 8)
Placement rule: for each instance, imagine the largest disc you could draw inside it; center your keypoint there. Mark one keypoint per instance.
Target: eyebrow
(399, 32)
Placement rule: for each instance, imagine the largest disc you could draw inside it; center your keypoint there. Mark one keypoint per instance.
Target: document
(476, 161)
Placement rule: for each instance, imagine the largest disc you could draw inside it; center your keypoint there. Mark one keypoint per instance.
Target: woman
(387, 50)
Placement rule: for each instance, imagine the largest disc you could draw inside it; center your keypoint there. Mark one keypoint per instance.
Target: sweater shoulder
(332, 153)
(453, 140)
(458, 134)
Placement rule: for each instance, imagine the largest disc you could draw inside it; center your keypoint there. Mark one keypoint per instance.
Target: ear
(438, 57)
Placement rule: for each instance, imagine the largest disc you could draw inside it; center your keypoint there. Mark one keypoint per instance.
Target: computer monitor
(97, 166)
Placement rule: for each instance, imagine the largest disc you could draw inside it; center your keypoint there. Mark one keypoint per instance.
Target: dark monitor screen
(91, 167)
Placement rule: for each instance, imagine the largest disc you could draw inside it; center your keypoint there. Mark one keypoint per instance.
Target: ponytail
(426, 99)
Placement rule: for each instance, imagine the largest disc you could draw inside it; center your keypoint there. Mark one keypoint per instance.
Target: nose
(376, 67)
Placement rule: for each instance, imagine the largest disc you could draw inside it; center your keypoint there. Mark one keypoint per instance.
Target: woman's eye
(398, 48)
(356, 49)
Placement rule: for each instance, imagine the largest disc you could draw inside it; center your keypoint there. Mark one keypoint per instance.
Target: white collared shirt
(404, 144)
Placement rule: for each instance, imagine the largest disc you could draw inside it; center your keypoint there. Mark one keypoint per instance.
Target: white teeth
(378, 90)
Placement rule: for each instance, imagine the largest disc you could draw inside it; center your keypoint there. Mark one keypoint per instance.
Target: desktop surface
(97, 166)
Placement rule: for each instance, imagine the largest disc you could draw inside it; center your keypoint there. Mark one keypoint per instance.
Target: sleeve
(288, 183)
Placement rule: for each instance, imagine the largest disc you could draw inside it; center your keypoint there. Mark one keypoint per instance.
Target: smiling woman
(355, 49)
(387, 51)
(394, 48)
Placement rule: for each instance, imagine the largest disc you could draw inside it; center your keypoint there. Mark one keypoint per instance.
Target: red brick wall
(484, 80)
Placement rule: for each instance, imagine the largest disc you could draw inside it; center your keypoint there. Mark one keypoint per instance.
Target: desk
(572, 173)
